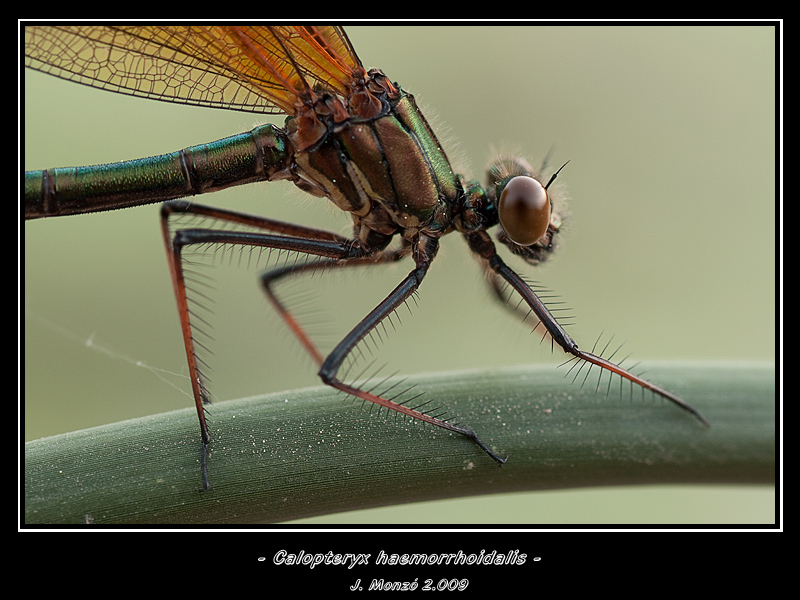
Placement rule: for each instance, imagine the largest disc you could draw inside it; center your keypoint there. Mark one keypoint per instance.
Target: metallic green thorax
(390, 172)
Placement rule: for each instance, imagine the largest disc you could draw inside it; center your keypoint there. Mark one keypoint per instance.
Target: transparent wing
(252, 69)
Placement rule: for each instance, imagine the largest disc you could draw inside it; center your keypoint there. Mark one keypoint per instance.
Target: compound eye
(524, 210)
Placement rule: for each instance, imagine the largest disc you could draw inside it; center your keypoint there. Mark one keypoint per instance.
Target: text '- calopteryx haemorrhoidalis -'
(353, 136)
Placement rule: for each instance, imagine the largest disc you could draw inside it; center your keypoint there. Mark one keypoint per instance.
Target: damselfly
(353, 136)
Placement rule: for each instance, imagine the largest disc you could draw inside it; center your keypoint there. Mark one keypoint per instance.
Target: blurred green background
(670, 247)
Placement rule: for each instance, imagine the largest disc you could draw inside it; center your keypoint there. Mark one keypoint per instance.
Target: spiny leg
(330, 366)
(482, 245)
(287, 237)
(270, 278)
(499, 287)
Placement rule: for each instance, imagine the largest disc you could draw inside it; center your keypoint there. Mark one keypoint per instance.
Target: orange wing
(252, 69)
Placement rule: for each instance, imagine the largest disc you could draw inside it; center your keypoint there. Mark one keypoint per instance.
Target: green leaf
(310, 452)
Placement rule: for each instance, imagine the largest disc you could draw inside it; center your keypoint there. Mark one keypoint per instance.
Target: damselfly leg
(337, 252)
(481, 244)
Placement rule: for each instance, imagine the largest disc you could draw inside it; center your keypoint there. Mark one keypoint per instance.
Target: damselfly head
(528, 214)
